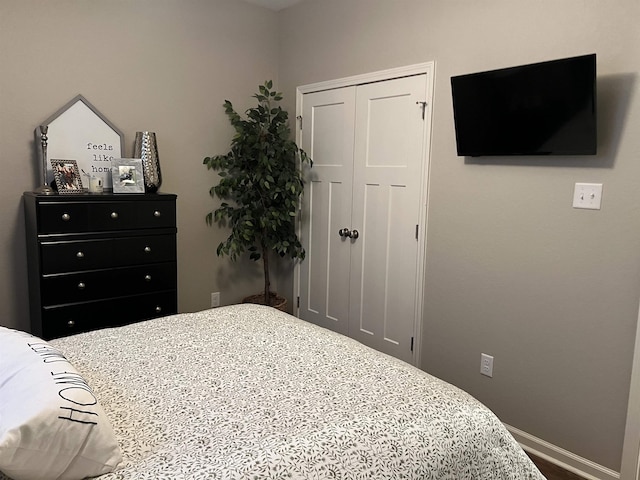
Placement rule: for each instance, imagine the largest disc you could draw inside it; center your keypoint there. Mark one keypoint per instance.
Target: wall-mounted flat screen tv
(546, 108)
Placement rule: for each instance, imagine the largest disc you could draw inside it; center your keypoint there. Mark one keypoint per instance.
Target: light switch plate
(587, 195)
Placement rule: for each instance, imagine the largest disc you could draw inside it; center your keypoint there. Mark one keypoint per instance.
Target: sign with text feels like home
(79, 132)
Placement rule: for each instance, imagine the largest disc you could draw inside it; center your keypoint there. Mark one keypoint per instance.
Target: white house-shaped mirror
(80, 132)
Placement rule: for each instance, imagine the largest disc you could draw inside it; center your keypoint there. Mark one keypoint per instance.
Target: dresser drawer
(81, 317)
(80, 255)
(63, 217)
(155, 214)
(101, 284)
(79, 217)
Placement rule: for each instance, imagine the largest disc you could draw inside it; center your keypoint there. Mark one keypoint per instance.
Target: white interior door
(368, 138)
(328, 126)
(388, 173)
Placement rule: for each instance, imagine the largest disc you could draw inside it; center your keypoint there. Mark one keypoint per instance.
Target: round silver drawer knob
(157, 213)
(66, 217)
(81, 286)
(158, 309)
(71, 323)
(80, 255)
(147, 278)
(147, 249)
(114, 215)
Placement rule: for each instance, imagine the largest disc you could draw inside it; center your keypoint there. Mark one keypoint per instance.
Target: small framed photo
(67, 176)
(127, 175)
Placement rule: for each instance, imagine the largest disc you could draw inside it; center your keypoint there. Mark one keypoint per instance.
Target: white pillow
(51, 425)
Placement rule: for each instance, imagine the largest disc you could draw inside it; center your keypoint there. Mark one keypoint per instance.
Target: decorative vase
(146, 148)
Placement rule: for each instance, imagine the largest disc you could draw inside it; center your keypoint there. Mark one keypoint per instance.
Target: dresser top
(101, 197)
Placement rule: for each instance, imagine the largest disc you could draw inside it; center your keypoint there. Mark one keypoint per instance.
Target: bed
(248, 392)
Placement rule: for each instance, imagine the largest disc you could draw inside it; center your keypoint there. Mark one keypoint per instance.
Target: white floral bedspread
(246, 392)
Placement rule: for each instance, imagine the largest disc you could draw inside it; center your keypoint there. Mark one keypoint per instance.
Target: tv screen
(546, 108)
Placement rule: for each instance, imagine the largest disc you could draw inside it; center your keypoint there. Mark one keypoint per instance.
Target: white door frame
(427, 68)
(631, 445)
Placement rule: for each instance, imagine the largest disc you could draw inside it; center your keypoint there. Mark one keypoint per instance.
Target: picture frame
(127, 175)
(67, 176)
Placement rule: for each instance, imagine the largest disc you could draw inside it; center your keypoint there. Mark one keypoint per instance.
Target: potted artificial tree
(260, 185)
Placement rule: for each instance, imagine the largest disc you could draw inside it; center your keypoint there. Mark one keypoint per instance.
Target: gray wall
(512, 269)
(160, 65)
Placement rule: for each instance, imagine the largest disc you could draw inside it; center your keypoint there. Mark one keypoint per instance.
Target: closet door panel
(324, 274)
(388, 162)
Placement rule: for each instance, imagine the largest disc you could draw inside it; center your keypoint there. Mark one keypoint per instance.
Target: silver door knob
(345, 232)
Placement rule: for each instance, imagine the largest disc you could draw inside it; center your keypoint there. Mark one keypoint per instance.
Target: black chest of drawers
(99, 261)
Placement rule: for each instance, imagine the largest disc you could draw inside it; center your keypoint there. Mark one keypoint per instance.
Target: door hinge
(299, 117)
(298, 303)
(417, 227)
(412, 344)
(424, 107)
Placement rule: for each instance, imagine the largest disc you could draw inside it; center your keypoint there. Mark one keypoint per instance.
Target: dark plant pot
(277, 302)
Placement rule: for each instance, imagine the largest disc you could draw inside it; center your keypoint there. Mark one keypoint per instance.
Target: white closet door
(327, 137)
(367, 145)
(388, 176)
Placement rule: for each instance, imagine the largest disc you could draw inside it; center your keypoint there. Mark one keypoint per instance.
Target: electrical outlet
(215, 299)
(486, 365)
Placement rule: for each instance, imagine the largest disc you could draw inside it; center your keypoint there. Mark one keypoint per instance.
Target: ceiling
(275, 5)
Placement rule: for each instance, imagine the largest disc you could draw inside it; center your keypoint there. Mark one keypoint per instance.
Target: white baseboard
(561, 457)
